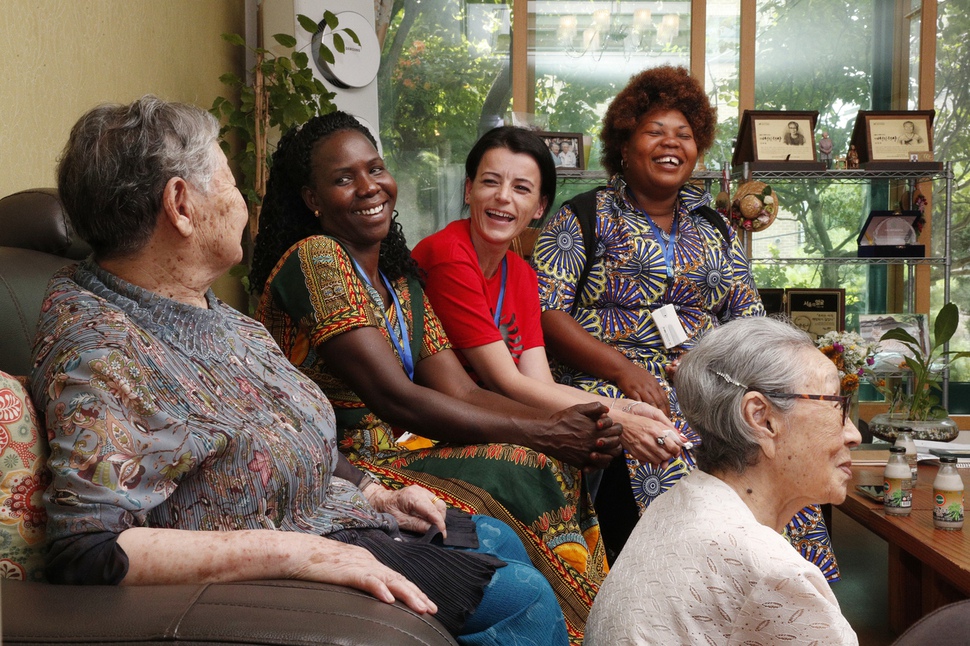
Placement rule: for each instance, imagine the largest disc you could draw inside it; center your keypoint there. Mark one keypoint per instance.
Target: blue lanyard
(666, 247)
(402, 344)
(501, 291)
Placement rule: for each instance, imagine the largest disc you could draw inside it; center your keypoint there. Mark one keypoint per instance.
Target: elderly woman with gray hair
(185, 448)
(707, 563)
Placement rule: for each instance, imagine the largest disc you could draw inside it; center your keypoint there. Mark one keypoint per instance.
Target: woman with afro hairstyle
(341, 296)
(656, 258)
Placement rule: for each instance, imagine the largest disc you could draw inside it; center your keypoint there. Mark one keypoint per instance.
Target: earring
(316, 214)
(623, 163)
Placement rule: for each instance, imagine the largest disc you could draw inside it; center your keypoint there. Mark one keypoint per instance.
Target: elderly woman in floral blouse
(185, 447)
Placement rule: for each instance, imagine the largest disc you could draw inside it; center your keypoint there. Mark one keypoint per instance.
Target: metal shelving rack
(862, 176)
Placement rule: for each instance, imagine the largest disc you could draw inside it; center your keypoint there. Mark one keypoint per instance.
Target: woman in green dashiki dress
(342, 300)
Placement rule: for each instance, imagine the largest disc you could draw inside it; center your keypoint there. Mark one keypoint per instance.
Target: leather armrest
(256, 612)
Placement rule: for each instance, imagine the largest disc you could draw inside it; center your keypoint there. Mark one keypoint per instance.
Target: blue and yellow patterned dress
(711, 284)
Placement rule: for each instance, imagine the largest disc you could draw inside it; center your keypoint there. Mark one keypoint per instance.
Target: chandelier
(613, 30)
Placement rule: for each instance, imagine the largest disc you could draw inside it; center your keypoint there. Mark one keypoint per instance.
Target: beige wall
(59, 58)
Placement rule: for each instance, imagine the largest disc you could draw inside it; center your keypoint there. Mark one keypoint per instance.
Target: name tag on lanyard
(668, 324)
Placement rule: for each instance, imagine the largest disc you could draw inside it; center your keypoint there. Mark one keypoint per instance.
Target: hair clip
(729, 379)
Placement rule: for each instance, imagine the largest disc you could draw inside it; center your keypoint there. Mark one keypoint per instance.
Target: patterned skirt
(542, 499)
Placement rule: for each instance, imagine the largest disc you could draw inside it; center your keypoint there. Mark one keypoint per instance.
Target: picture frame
(572, 157)
(777, 140)
(895, 139)
(816, 311)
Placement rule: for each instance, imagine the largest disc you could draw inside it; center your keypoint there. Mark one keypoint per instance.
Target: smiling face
(504, 196)
(351, 188)
(660, 155)
(813, 456)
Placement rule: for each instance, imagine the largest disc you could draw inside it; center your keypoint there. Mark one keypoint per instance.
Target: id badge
(668, 323)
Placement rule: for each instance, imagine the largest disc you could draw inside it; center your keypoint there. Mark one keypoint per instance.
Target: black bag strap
(584, 208)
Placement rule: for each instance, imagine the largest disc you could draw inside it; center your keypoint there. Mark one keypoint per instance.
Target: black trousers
(616, 508)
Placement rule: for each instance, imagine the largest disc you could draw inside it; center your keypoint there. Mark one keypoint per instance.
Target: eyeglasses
(843, 400)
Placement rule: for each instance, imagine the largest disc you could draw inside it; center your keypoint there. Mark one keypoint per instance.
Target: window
(447, 75)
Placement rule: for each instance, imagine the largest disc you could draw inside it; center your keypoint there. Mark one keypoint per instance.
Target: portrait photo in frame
(816, 311)
(777, 140)
(892, 139)
(566, 149)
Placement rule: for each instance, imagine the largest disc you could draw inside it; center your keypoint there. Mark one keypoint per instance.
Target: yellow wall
(58, 58)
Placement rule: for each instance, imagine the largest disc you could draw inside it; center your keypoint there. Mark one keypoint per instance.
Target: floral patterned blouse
(163, 414)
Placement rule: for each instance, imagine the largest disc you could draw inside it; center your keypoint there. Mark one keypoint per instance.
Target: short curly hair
(664, 87)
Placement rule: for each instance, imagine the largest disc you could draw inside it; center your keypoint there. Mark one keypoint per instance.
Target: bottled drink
(905, 439)
(948, 496)
(897, 488)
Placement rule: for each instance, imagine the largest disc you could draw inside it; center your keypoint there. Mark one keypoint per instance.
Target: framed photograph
(897, 138)
(773, 300)
(772, 140)
(566, 149)
(817, 311)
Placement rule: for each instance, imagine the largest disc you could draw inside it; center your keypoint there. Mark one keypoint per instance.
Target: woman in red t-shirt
(487, 299)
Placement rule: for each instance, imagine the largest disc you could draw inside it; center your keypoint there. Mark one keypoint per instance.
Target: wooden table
(928, 567)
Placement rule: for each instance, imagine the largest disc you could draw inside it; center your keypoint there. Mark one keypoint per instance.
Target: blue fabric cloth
(519, 607)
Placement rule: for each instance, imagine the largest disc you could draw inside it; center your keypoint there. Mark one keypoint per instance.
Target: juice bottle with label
(948, 496)
(897, 488)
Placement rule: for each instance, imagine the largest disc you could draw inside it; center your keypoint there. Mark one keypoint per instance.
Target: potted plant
(918, 408)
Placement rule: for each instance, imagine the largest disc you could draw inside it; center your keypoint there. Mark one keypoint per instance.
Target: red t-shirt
(465, 300)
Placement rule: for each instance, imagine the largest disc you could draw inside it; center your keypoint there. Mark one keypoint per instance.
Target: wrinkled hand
(329, 561)
(642, 425)
(583, 435)
(415, 508)
(640, 384)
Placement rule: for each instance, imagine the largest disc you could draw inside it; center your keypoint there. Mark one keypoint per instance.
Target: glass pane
(951, 142)
(912, 101)
(722, 54)
(444, 78)
(583, 52)
(816, 55)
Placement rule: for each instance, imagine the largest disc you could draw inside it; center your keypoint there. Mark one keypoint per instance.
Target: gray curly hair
(119, 158)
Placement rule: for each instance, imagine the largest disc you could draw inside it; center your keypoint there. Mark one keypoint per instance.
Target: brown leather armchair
(36, 240)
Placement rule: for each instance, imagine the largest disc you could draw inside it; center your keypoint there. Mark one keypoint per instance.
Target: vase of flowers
(918, 409)
(852, 356)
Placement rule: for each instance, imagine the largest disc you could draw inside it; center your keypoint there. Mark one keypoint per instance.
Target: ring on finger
(661, 441)
(435, 499)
